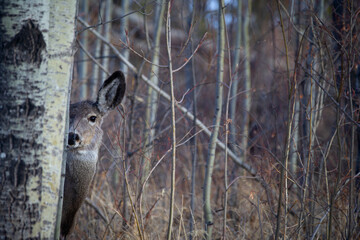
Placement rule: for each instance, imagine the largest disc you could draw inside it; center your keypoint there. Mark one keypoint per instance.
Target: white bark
(151, 104)
(95, 79)
(233, 145)
(123, 29)
(35, 73)
(208, 216)
(247, 84)
(107, 30)
(191, 83)
(82, 66)
(236, 78)
(173, 122)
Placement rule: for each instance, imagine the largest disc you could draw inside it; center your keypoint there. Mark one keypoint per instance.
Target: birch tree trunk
(217, 117)
(151, 104)
(295, 138)
(123, 29)
(106, 31)
(35, 73)
(247, 84)
(191, 105)
(313, 102)
(82, 66)
(233, 145)
(236, 78)
(95, 79)
(173, 122)
(283, 185)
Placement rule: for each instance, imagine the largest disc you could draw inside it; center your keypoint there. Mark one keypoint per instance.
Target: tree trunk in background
(94, 80)
(233, 200)
(355, 84)
(244, 129)
(82, 69)
(352, 68)
(283, 184)
(191, 105)
(308, 103)
(173, 122)
(208, 217)
(35, 74)
(152, 99)
(338, 22)
(313, 101)
(123, 68)
(106, 34)
(123, 29)
(235, 79)
(295, 139)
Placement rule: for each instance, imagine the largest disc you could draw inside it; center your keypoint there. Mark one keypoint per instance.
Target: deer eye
(92, 119)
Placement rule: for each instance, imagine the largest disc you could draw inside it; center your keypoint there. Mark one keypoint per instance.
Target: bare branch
(92, 58)
(187, 60)
(186, 112)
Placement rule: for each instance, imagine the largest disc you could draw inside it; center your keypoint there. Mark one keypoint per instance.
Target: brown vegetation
(319, 91)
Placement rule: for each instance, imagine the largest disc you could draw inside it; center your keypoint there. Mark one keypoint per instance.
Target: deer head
(85, 136)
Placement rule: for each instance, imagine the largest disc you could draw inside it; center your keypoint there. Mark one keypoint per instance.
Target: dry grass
(251, 210)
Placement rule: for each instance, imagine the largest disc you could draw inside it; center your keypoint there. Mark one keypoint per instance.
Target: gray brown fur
(85, 136)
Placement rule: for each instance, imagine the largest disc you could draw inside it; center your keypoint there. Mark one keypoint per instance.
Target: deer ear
(111, 92)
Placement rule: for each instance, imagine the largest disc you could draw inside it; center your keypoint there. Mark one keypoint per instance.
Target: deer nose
(73, 138)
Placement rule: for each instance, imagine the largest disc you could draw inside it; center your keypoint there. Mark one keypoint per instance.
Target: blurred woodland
(277, 82)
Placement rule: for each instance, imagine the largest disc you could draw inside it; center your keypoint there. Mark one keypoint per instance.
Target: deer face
(84, 139)
(85, 126)
(86, 117)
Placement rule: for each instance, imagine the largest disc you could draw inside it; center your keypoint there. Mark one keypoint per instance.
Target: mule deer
(85, 136)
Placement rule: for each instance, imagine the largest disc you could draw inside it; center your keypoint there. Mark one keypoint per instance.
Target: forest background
(275, 81)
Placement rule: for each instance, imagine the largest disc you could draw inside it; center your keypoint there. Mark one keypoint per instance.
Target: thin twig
(283, 170)
(129, 192)
(186, 112)
(227, 122)
(188, 59)
(97, 210)
(346, 114)
(106, 22)
(141, 56)
(173, 122)
(92, 58)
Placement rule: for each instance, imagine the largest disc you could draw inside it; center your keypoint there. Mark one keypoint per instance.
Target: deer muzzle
(74, 140)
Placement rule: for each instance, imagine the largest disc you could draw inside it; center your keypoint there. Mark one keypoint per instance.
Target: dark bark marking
(26, 46)
(27, 110)
(17, 173)
(59, 117)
